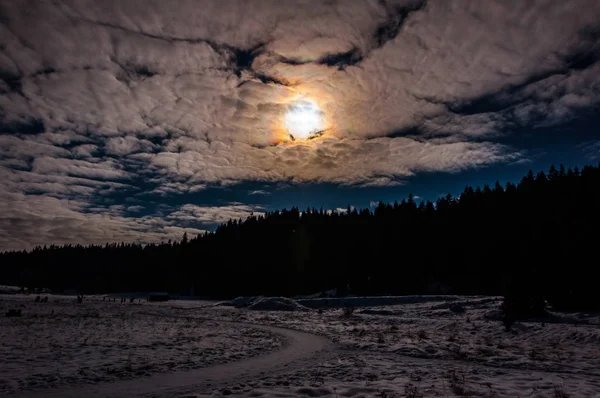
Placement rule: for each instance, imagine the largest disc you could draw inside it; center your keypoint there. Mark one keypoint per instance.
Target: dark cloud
(241, 59)
(12, 82)
(395, 19)
(342, 60)
(587, 52)
(28, 126)
(271, 79)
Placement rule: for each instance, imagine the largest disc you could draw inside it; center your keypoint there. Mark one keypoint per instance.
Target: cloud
(126, 145)
(374, 162)
(17, 148)
(215, 214)
(591, 150)
(27, 221)
(99, 99)
(340, 210)
(85, 151)
(106, 169)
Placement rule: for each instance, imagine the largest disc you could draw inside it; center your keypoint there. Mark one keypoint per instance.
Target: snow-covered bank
(5, 289)
(340, 302)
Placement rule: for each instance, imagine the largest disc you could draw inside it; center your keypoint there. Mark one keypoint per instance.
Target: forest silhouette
(536, 240)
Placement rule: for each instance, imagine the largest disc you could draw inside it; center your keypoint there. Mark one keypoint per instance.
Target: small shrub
(521, 302)
(457, 308)
(508, 316)
(559, 392)
(457, 382)
(317, 379)
(129, 363)
(457, 350)
(534, 355)
(412, 390)
(348, 311)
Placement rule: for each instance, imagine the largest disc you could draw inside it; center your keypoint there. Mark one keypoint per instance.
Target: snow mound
(276, 304)
(5, 289)
(384, 312)
(375, 301)
(243, 302)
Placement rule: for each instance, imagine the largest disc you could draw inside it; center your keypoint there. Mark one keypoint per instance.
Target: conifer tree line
(537, 240)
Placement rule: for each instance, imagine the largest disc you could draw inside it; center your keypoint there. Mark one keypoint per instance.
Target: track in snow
(300, 350)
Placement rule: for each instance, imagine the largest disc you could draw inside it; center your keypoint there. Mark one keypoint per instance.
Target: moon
(303, 119)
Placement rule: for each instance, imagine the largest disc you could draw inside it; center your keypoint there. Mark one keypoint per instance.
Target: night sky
(140, 120)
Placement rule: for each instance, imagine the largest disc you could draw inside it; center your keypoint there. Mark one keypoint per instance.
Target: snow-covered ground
(427, 346)
(440, 347)
(64, 343)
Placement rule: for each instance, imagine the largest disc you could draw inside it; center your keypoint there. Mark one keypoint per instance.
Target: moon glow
(304, 119)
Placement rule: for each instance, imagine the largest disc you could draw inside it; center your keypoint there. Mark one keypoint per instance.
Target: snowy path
(301, 350)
